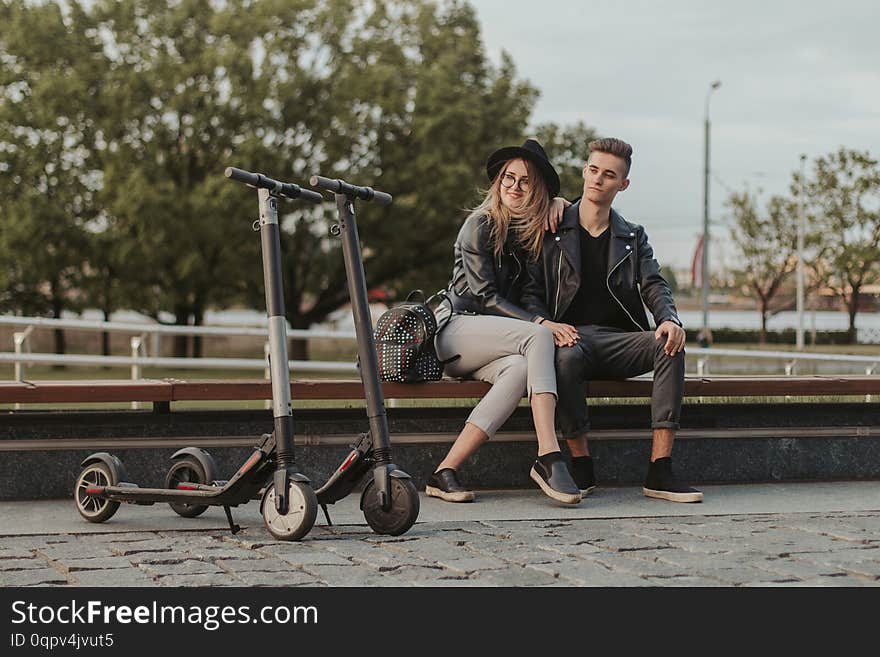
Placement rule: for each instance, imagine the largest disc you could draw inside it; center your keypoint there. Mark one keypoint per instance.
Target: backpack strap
(443, 297)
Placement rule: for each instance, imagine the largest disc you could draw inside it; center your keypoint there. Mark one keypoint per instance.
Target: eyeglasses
(508, 181)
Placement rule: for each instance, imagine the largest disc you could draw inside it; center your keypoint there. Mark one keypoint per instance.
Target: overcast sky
(797, 77)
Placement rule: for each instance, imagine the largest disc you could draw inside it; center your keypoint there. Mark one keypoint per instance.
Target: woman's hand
(554, 218)
(564, 335)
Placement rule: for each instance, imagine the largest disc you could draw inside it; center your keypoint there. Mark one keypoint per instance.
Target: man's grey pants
(515, 356)
(609, 353)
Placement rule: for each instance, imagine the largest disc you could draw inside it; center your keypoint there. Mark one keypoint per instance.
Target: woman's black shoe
(444, 484)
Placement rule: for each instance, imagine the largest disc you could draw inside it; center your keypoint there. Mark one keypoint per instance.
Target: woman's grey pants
(515, 356)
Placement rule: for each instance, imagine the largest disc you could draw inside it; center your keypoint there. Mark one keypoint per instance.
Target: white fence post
(135, 366)
(20, 340)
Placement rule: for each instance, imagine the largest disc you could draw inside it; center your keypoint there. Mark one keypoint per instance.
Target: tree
(49, 176)
(844, 194)
(568, 149)
(766, 241)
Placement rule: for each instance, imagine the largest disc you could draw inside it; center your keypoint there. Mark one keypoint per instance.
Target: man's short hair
(613, 146)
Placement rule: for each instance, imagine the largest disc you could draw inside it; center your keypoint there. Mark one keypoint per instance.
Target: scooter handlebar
(288, 190)
(338, 186)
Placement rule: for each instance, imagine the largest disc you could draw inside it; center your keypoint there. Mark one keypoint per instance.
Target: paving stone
(631, 564)
(473, 564)
(75, 550)
(802, 568)
(32, 563)
(304, 555)
(114, 577)
(354, 575)
(143, 546)
(98, 563)
(268, 564)
(198, 579)
(513, 576)
(15, 553)
(580, 572)
(31, 577)
(185, 567)
(288, 578)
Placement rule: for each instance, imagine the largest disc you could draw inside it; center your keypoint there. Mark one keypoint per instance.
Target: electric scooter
(289, 505)
(389, 500)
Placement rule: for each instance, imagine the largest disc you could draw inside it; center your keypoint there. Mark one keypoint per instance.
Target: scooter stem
(369, 360)
(278, 362)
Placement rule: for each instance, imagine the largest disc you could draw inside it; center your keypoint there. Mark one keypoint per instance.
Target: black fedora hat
(532, 151)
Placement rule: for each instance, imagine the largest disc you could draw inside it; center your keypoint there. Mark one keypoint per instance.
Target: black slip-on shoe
(663, 485)
(444, 484)
(582, 473)
(555, 479)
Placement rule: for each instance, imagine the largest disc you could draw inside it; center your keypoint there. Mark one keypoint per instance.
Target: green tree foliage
(50, 71)
(844, 207)
(568, 149)
(766, 241)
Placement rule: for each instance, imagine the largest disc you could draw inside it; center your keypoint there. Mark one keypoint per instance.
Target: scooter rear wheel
(302, 509)
(183, 470)
(94, 509)
(403, 512)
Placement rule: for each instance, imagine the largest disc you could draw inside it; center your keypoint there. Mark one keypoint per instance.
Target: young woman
(496, 340)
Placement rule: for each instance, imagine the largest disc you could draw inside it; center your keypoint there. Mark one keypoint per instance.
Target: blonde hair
(527, 229)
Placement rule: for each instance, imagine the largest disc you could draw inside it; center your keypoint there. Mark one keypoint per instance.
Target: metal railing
(791, 358)
(23, 357)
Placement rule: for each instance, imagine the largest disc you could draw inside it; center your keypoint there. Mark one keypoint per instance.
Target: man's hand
(564, 335)
(675, 337)
(554, 218)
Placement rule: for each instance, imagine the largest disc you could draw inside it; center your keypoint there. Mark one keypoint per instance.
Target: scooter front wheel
(92, 508)
(186, 470)
(302, 509)
(403, 512)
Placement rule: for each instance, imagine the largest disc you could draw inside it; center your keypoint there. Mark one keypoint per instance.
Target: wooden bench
(163, 392)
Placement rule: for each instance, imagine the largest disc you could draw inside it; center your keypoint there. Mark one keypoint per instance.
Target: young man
(594, 278)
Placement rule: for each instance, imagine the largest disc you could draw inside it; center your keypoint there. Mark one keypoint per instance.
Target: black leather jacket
(633, 279)
(482, 283)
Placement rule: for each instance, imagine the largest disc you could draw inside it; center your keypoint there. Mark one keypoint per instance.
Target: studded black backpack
(405, 341)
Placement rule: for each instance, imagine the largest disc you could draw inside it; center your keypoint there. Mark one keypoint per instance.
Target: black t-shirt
(593, 303)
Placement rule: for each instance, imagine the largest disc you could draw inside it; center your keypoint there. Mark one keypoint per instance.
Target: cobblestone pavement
(827, 548)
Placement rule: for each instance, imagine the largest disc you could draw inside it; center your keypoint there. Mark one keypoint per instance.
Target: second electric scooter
(389, 500)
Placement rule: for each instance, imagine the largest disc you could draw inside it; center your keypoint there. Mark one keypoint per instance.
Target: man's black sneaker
(550, 473)
(662, 484)
(444, 484)
(582, 473)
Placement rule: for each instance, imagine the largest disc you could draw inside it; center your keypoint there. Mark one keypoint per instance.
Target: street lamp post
(704, 265)
(802, 229)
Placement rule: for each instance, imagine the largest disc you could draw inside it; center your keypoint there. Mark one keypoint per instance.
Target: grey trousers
(609, 353)
(515, 356)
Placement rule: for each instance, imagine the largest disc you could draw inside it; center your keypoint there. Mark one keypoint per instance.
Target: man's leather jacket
(633, 277)
(483, 283)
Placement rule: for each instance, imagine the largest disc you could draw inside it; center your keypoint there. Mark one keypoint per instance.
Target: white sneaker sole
(673, 497)
(461, 496)
(565, 498)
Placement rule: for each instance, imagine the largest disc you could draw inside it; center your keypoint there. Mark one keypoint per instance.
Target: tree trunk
(762, 335)
(298, 348)
(181, 318)
(60, 341)
(105, 337)
(198, 319)
(852, 307)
